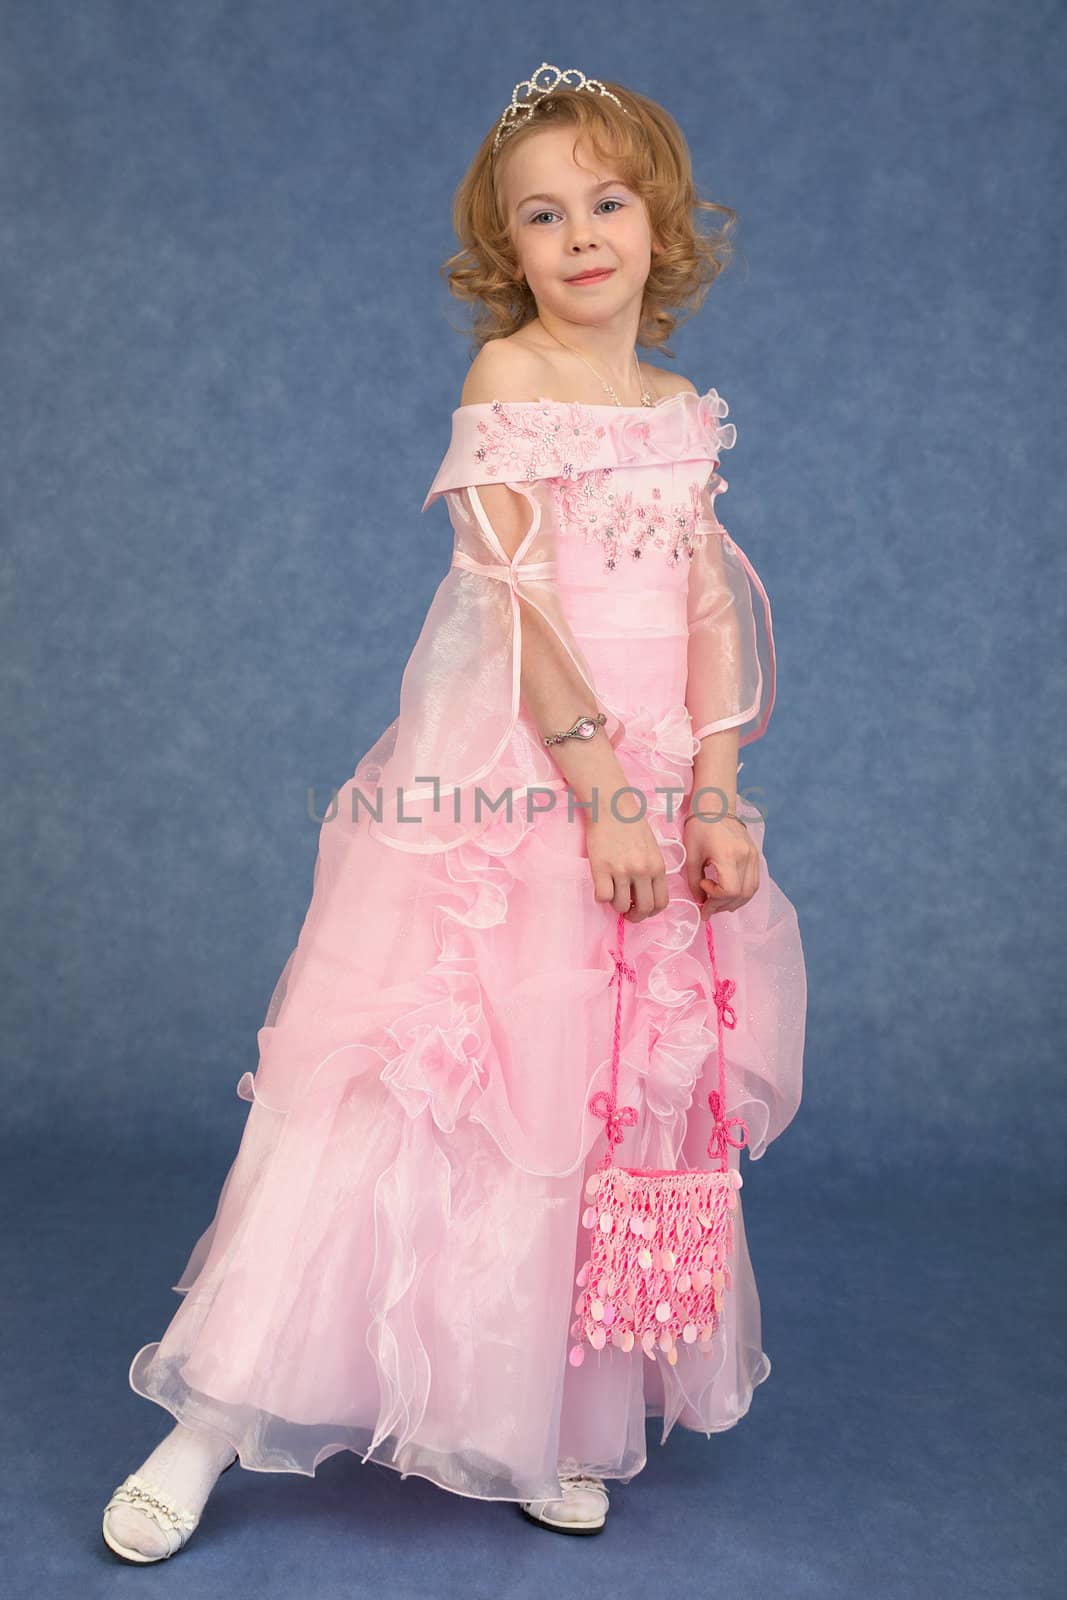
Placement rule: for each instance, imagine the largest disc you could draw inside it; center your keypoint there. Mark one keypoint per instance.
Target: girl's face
(568, 214)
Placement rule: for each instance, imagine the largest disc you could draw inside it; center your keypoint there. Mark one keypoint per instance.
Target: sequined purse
(657, 1269)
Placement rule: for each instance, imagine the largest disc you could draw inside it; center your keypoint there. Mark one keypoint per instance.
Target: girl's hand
(627, 865)
(726, 847)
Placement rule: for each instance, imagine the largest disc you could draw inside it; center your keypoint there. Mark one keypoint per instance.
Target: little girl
(512, 914)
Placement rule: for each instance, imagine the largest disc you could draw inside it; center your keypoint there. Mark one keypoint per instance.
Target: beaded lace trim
(625, 524)
(136, 1492)
(561, 443)
(521, 440)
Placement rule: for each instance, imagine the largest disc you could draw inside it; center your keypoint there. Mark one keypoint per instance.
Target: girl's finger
(717, 899)
(623, 894)
(603, 887)
(726, 878)
(643, 903)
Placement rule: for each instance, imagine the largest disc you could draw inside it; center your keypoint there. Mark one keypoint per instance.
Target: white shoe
(582, 1509)
(177, 1523)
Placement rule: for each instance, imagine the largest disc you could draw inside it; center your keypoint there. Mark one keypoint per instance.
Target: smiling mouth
(588, 277)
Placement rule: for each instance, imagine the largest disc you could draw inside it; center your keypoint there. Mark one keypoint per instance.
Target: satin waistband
(597, 612)
(603, 613)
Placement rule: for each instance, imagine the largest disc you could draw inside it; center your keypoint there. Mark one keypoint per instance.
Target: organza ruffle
(390, 1268)
(520, 440)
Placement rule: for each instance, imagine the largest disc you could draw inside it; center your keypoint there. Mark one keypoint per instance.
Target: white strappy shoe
(177, 1523)
(582, 1509)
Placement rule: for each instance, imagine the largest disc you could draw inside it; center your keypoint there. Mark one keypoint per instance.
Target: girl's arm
(725, 689)
(716, 659)
(715, 772)
(552, 689)
(625, 860)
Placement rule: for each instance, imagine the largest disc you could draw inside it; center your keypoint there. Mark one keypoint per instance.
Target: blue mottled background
(228, 362)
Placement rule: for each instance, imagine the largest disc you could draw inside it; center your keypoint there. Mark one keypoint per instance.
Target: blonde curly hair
(650, 154)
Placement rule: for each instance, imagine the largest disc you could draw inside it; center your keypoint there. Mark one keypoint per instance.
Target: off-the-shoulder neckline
(585, 405)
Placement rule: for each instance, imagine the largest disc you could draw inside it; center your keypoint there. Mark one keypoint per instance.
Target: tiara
(521, 110)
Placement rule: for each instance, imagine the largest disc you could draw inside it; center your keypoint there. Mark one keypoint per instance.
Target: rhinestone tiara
(522, 108)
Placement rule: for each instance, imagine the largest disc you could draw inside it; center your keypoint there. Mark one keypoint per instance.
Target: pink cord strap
(617, 1118)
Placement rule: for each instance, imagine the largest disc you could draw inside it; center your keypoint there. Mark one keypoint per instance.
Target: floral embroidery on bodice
(532, 440)
(626, 524)
(586, 454)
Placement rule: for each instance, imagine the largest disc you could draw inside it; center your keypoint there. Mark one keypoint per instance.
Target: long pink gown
(391, 1265)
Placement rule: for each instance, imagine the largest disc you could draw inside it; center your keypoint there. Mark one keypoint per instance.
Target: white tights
(184, 1467)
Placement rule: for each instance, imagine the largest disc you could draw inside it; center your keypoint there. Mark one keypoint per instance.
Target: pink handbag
(657, 1268)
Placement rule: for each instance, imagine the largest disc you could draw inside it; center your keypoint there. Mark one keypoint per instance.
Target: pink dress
(391, 1265)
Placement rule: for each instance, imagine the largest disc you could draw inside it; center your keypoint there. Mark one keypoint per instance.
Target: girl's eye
(538, 214)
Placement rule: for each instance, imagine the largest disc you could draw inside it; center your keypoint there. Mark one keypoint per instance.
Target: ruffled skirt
(391, 1265)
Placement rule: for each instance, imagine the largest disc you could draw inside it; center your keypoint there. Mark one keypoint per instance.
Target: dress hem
(187, 1416)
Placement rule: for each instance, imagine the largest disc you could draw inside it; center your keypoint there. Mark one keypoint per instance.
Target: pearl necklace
(646, 398)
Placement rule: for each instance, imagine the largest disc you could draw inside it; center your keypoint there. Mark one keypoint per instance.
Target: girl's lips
(593, 277)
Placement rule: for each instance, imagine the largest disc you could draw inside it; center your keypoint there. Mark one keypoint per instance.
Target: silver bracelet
(584, 728)
(724, 814)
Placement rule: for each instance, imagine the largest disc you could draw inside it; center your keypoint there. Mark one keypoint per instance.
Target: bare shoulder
(663, 383)
(504, 369)
(512, 369)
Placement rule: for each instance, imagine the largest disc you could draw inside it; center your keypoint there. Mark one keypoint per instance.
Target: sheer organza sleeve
(530, 571)
(731, 668)
(464, 744)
